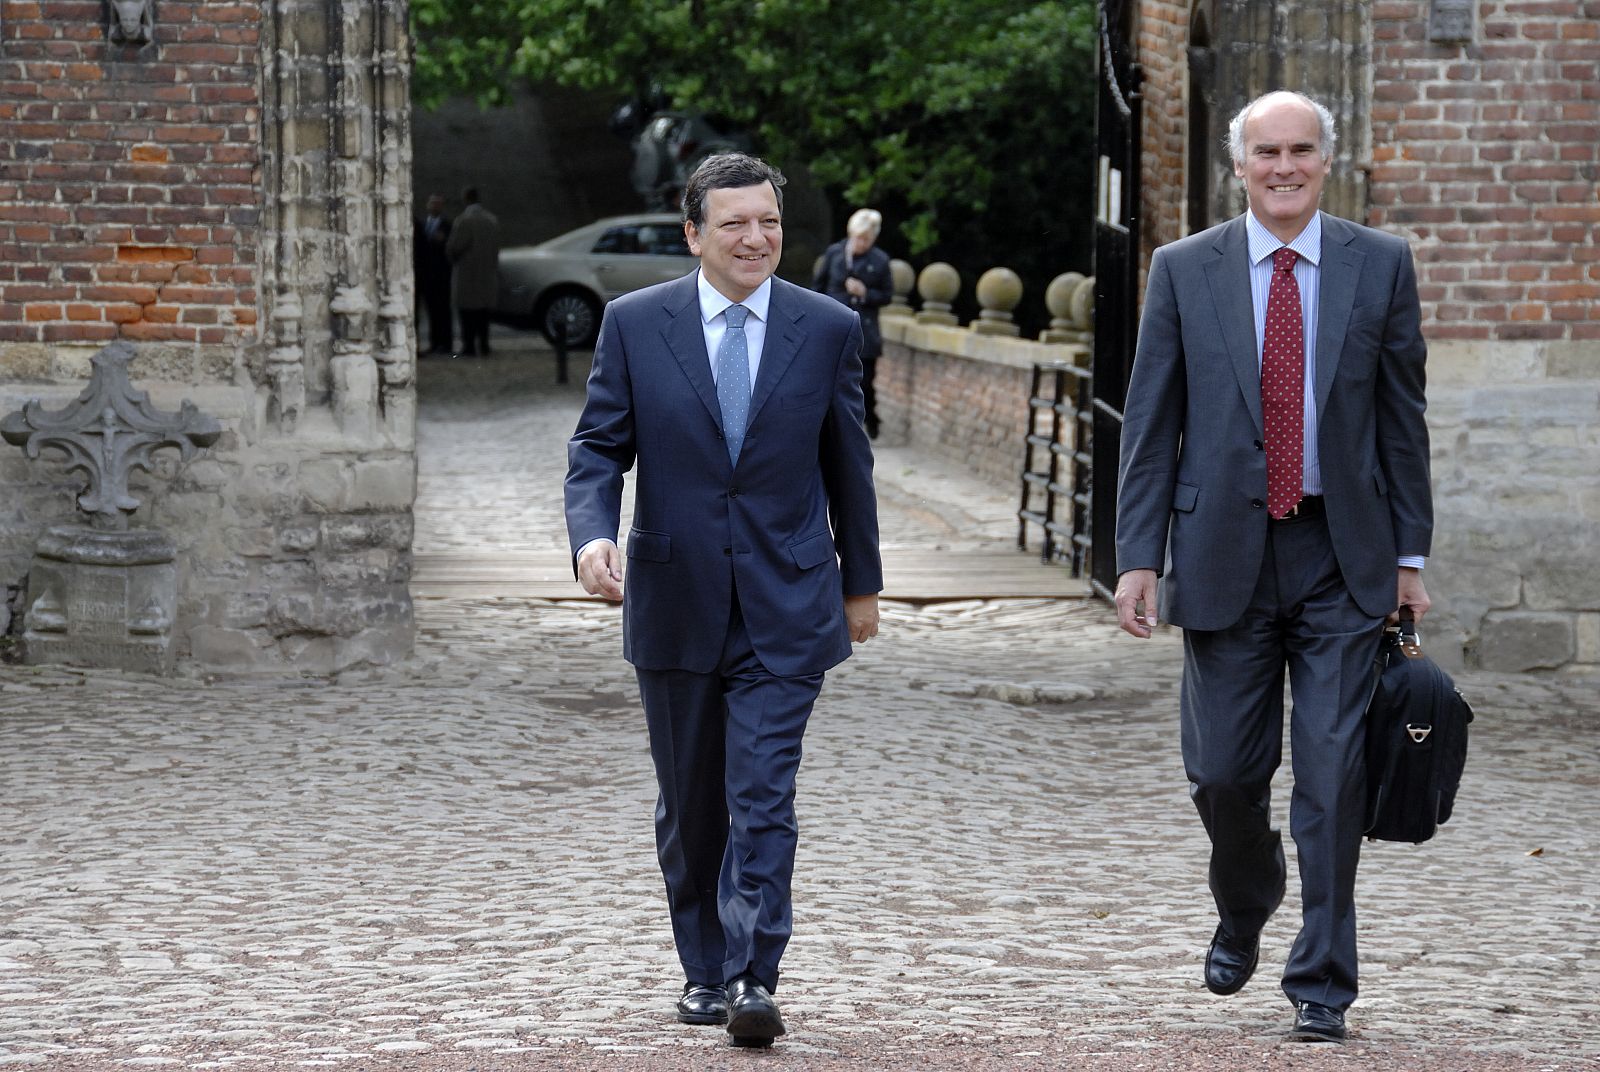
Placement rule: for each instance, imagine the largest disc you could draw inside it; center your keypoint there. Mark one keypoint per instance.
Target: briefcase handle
(1410, 639)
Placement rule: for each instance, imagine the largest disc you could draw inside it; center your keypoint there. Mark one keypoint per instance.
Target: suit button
(733, 493)
(1259, 446)
(728, 551)
(1257, 503)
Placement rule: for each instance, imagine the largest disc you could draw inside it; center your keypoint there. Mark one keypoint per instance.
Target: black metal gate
(1116, 273)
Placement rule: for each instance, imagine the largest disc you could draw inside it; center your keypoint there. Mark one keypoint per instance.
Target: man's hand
(1411, 594)
(855, 287)
(861, 615)
(1136, 602)
(600, 570)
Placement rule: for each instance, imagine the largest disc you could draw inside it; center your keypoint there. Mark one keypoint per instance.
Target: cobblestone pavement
(450, 866)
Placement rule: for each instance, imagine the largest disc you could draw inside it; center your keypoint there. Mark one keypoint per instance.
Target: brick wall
(129, 200)
(960, 395)
(1488, 158)
(1162, 33)
(162, 195)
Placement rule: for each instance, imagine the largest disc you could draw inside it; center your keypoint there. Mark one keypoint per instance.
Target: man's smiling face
(1283, 165)
(742, 240)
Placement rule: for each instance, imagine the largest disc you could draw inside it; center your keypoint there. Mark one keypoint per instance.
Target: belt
(1308, 507)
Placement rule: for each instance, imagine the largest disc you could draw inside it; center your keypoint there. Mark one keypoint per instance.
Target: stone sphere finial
(1070, 299)
(999, 293)
(1082, 307)
(902, 277)
(1058, 299)
(938, 283)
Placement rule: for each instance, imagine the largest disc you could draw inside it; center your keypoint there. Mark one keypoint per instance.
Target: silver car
(561, 285)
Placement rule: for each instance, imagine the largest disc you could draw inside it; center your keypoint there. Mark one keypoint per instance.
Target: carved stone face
(132, 21)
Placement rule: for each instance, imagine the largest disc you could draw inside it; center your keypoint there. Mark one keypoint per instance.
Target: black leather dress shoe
(753, 1017)
(1317, 1023)
(702, 1004)
(1231, 961)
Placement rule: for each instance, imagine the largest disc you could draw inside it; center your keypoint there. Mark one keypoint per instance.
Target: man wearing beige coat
(474, 249)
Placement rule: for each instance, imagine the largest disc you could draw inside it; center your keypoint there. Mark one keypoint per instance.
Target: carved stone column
(338, 136)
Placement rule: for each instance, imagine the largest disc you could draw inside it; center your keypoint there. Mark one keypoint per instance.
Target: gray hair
(865, 220)
(727, 171)
(1327, 137)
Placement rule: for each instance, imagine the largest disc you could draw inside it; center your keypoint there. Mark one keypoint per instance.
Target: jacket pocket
(801, 401)
(1184, 496)
(813, 551)
(1370, 311)
(649, 546)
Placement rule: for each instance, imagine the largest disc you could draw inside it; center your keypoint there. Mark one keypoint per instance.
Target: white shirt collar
(713, 301)
(1263, 243)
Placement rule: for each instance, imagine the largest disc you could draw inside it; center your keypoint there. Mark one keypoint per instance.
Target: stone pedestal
(102, 598)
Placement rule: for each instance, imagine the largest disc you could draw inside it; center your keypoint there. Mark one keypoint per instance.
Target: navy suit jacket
(789, 532)
(1193, 472)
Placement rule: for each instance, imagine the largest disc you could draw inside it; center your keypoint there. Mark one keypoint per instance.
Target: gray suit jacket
(1193, 471)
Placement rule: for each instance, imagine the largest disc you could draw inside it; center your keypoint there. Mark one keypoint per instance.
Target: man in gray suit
(1275, 467)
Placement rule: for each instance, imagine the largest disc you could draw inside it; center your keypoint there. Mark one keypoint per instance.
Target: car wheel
(575, 313)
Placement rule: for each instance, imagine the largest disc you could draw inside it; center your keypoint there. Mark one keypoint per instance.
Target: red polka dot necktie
(1283, 386)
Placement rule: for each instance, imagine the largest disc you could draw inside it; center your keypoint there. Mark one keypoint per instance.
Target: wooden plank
(912, 575)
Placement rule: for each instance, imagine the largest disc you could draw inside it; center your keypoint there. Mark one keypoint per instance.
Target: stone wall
(1486, 157)
(234, 198)
(960, 394)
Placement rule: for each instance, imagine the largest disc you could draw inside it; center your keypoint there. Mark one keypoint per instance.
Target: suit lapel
(1338, 273)
(782, 344)
(1229, 278)
(686, 338)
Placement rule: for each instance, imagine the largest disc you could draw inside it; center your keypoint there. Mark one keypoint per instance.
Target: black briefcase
(1416, 741)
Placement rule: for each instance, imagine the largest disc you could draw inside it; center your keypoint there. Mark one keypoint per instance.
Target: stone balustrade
(962, 391)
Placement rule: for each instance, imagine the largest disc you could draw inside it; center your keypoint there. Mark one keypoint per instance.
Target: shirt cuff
(613, 543)
(1412, 561)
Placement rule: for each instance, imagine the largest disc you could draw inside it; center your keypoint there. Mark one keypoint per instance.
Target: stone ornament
(938, 284)
(133, 22)
(902, 278)
(999, 294)
(110, 430)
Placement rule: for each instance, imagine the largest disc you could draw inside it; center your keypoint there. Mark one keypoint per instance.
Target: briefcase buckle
(1418, 733)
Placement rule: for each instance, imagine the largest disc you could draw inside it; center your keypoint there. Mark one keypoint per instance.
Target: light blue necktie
(733, 380)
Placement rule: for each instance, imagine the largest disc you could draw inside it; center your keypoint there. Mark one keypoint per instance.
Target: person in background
(474, 249)
(433, 275)
(856, 272)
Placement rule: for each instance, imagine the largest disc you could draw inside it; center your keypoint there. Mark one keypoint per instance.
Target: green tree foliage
(969, 123)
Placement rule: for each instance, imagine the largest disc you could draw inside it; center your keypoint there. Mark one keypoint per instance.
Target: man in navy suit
(1275, 464)
(751, 566)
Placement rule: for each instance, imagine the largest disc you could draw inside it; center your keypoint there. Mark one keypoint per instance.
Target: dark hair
(727, 171)
(470, 195)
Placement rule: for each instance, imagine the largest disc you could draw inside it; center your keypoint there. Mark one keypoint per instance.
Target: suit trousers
(1302, 618)
(726, 747)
